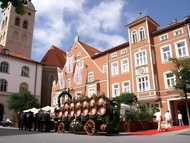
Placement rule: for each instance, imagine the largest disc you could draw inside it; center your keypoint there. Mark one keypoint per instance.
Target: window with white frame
(141, 33)
(134, 36)
(143, 83)
(54, 101)
(126, 86)
(114, 55)
(23, 87)
(141, 58)
(68, 83)
(169, 79)
(166, 53)
(181, 49)
(90, 77)
(115, 90)
(25, 71)
(178, 32)
(163, 37)
(124, 66)
(115, 69)
(123, 52)
(91, 91)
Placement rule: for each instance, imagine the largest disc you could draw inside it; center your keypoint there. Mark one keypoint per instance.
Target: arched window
(23, 87)
(3, 85)
(17, 21)
(25, 71)
(4, 67)
(15, 35)
(134, 36)
(24, 38)
(141, 33)
(25, 24)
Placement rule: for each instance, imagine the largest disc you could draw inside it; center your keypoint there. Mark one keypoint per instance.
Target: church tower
(16, 31)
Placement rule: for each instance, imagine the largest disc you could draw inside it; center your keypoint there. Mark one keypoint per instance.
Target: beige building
(141, 66)
(18, 72)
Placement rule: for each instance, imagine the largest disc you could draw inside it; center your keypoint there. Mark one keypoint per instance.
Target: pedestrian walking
(158, 119)
(168, 120)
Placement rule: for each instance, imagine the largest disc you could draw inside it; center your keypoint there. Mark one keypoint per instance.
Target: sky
(99, 23)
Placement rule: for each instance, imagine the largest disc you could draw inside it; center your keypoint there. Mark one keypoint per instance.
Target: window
(141, 33)
(115, 90)
(178, 32)
(90, 77)
(68, 83)
(126, 86)
(134, 37)
(143, 83)
(141, 59)
(79, 54)
(25, 71)
(25, 24)
(163, 37)
(169, 80)
(124, 66)
(5, 51)
(181, 49)
(115, 69)
(4, 67)
(91, 91)
(123, 52)
(166, 53)
(17, 21)
(23, 87)
(114, 55)
(3, 85)
(104, 68)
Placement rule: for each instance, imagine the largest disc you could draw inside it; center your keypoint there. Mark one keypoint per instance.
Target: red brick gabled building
(141, 66)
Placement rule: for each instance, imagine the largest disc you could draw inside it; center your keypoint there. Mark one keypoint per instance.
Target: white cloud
(58, 22)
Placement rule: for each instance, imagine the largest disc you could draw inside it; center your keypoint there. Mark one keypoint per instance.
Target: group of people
(167, 122)
(29, 121)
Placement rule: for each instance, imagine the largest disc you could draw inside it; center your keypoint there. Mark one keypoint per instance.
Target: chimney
(76, 39)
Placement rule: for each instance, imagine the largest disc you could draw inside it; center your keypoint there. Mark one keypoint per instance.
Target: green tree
(18, 4)
(128, 98)
(22, 101)
(181, 69)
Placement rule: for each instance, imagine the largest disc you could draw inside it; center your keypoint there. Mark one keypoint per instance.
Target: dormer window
(163, 37)
(5, 51)
(178, 32)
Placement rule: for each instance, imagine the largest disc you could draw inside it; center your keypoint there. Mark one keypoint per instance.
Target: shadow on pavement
(7, 131)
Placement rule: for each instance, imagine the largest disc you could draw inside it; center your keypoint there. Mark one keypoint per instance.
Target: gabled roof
(54, 57)
(14, 54)
(90, 50)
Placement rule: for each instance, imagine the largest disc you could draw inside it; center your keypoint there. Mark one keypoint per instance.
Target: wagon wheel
(61, 128)
(90, 127)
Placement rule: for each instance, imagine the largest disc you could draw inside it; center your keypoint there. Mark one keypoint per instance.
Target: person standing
(168, 119)
(158, 119)
(180, 119)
